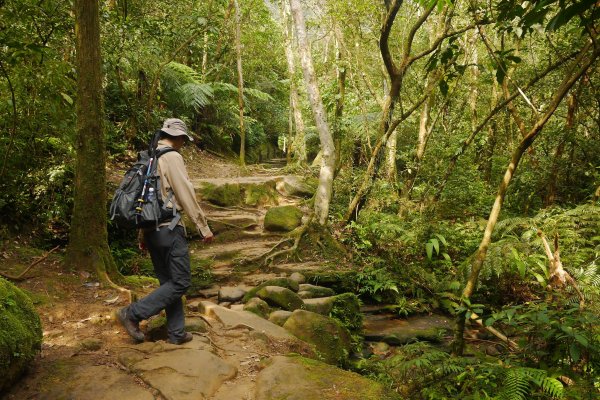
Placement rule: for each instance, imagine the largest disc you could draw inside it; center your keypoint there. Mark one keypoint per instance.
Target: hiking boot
(186, 338)
(132, 327)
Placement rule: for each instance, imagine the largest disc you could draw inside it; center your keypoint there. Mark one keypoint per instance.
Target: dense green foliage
(476, 77)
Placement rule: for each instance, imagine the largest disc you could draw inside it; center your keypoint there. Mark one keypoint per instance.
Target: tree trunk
(238, 50)
(479, 258)
(297, 145)
(552, 178)
(88, 241)
(324, 190)
(339, 104)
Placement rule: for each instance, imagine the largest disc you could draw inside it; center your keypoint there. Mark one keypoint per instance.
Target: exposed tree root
(36, 262)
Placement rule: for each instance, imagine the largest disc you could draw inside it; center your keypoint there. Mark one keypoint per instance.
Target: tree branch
(386, 29)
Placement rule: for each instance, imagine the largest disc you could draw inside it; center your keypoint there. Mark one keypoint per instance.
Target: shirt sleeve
(184, 192)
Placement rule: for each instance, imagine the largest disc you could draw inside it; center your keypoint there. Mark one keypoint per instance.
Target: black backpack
(138, 202)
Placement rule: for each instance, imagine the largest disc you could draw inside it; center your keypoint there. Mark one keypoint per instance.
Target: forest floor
(86, 354)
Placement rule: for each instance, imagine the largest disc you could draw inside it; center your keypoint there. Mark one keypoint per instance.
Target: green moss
(20, 332)
(331, 340)
(283, 219)
(280, 297)
(262, 194)
(346, 309)
(340, 281)
(226, 195)
(202, 276)
(140, 281)
(282, 282)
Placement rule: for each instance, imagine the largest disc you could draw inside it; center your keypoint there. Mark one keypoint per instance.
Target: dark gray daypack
(137, 202)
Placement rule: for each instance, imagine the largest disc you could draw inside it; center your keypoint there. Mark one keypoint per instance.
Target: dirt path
(86, 354)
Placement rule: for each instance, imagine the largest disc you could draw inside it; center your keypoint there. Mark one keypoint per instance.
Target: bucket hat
(175, 127)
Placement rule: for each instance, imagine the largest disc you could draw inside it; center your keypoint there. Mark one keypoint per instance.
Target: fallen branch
(511, 344)
(33, 264)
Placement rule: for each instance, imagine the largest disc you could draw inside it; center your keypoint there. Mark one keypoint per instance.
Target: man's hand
(208, 238)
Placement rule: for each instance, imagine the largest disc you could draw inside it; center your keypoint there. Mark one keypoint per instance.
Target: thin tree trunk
(553, 176)
(238, 49)
(479, 258)
(88, 241)
(297, 145)
(339, 104)
(324, 190)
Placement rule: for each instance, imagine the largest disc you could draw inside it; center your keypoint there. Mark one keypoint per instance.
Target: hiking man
(167, 245)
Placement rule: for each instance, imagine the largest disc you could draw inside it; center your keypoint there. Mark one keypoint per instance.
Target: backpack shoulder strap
(164, 150)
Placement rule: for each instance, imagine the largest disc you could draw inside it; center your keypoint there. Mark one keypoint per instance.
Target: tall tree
(238, 50)
(88, 243)
(324, 190)
(587, 56)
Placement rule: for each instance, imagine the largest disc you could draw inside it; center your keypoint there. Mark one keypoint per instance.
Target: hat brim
(176, 132)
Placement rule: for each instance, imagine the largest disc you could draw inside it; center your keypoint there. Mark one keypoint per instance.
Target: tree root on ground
(296, 235)
(36, 262)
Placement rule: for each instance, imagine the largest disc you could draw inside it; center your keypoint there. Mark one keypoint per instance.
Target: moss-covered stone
(279, 317)
(282, 282)
(343, 307)
(298, 378)
(258, 307)
(280, 297)
(308, 291)
(20, 332)
(331, 340)
(225, 195)
(340, 281)
(296, 186)
(260, 194)
(283, 219)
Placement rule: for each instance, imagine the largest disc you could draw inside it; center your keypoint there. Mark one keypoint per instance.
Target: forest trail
(235, 354)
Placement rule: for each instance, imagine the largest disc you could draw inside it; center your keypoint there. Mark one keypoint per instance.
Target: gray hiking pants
(169, 252)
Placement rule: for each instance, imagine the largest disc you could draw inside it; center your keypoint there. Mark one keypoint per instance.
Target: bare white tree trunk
(324, 190)
(238, 47)
(298, 145)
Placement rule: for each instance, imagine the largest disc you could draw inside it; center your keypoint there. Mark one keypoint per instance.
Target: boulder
(231, 294)
(298, 277)
(20, 332)
(258, 307)
(260, 194)
(398, 331)
(224, 195)
(295, 186)
(283, 282)
(298, 378)
(279, 317)
(283, 218)
(280, 297)
(343, 307)
(330, 339)
(308, 291)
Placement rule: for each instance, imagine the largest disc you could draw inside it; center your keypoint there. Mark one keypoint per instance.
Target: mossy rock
(20, 332)
(260, 194)
(280, 297)
(279, 317)
(282, 282)
(308, 291)
(225, 195)
(331, 340)
(339, 281)
(343, 307)
(283, 219)
(296, 186)
(258, 307)
(299, 378)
